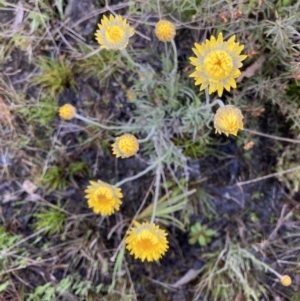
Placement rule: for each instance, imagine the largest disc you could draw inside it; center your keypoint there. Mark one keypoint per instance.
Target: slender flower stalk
(149, 136)
(140, 174)
(156, 192)
(100, 125)
(157, 181)
(126, 55)
(174, 71)
(207, 96)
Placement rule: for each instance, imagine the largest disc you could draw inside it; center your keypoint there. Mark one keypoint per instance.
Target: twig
(275, 174)
(280, 222)
(271, 136)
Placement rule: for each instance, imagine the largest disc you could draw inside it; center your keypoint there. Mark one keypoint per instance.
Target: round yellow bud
(125, 146)
(165, 30)
(67, 111)
(286, 280)
(228, 120)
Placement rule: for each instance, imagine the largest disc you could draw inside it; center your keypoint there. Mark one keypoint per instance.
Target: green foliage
(52, 220)
(43, 113)
(168, 205)
(288, 160)
(200, 234)
(44, 292)
(37, 19)
(231, 271)
(4, 285)
(54, 179)
(195, 149)
(6, 239)
(101, 65)
(295, 297)
(55, 75)
(13, 256)
(57, 177)
(59, 5)
(79, 169)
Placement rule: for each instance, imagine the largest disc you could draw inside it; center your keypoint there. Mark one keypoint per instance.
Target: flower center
(145, 244)
(114, 34)
(218, 64)
(103, 196)
(126, 147)
(229, 123)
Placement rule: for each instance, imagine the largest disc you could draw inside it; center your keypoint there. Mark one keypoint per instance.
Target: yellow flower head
(103, 198)
(125, 146)
(67, 111)
(165, 30)
(146, 241)
(228, 120)
(113, 33)
(217, 64)
(286, 280)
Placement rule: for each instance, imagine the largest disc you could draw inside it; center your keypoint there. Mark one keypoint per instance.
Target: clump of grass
(55, 75)
(102, 65)
(54, 179)
(42, 113)
(51, 220)
(231, 272)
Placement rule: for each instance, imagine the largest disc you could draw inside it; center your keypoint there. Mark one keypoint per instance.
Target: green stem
(174, 71)
(156, 193)
(216, 101)
(102, 126)
(157, 180)
(148, 136)
(140, 174)
(128, 57)
(207, 96)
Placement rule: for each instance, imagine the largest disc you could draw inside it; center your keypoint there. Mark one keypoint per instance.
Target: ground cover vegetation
(149, 150)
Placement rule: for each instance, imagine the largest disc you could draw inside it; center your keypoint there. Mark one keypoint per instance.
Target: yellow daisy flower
(67, 111)
(103, 198)
(146, 241)
(165, 30)
(286, 280)
(113, 33)
(125, 146)
(217, 64)
(228, 120)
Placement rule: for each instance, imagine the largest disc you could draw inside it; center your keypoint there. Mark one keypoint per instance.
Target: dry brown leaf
(186, 278)
(19, 17)
(29, 187)
(251, 70)
(249, 145)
